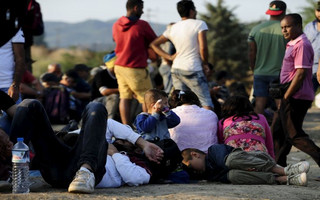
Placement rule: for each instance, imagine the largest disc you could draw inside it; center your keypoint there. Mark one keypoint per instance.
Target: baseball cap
(276, 8)
(82, 67)
(109, 59)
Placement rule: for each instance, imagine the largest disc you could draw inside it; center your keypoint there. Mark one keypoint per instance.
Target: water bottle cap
(20, 139)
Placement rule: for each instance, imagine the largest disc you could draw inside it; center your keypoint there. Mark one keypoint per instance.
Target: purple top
(299, 54)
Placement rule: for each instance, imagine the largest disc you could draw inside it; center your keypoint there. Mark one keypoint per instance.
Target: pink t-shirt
(299, 54)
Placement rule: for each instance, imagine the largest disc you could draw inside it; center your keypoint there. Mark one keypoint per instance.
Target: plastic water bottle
(20, 167)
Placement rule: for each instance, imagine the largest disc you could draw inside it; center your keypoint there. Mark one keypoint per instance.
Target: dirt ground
(204, 190)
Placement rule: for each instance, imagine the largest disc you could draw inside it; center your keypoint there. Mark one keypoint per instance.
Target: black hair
(179, 97)
(132, 3)
(237, 106)
(221, 74)
(297, 19)
(184, 7)
(72, 74)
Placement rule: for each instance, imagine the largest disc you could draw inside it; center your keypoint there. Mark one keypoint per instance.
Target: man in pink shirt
(297, 69)
(132, 37)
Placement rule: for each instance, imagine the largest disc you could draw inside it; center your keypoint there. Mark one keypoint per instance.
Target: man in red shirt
(132, 37)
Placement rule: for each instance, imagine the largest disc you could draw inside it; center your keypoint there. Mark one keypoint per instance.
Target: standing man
(266, 51)
(312, 31)
(12, 55)
(190, 63)
(132, 37)
(297, 69)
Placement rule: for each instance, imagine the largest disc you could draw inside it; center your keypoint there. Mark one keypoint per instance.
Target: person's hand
(153, 152)
(206, 69)
(173, 56)
(216, 89)
(112, 150)
(14, 92)
(158, 106)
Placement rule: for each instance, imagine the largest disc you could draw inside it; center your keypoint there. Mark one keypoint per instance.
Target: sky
(156, 11)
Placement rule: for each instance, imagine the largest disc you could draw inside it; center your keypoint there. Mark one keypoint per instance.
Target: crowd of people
(130, 129)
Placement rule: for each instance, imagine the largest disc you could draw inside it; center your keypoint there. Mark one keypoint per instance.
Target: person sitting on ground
(82, 166)
(241, 127)
(198, 126)
(226, 164)
(219, 88)
(105, 87)
(55, 69)
(69, 82)
(154, 125)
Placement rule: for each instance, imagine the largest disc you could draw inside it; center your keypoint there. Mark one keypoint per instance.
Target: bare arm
(252, 54)
(18, 51)
(81, 95)
(203, 48)
(155, 45)
(318, 73)
(296, 83)
(108, 91)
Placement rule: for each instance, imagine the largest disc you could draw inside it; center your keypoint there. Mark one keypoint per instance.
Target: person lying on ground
(82, 166)
(226, 164)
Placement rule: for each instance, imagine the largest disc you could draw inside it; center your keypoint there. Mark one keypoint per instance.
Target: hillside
(91, 34)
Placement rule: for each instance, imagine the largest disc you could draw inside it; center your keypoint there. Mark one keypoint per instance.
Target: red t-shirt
(132, 40)
(27, 77)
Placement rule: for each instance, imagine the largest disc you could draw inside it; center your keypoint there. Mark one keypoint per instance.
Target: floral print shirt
(250, 135)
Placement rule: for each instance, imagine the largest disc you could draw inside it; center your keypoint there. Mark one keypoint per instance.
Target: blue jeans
(165, 72)
(194, 81)
(5, 121)
(58, 163)
(261, 85)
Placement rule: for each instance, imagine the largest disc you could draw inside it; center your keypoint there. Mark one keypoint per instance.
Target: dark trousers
(287, 131)
(58, 162)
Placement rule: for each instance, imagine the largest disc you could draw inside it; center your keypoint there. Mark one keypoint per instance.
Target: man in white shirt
(190, 63)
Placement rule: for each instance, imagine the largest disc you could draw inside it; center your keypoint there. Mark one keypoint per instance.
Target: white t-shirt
(119, 169)
(184, 36)
(7, 63)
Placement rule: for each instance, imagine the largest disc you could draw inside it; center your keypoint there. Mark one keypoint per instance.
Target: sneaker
(299, 179)
(297, 168)
(83, 182)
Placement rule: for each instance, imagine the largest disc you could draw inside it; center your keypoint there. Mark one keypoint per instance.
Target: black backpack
(170, 162)
(34, 23)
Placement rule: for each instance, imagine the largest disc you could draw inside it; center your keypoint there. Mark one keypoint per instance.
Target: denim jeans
(287, 131)
(58, 163)
(194, 81)
(5, 121)
(165, 72)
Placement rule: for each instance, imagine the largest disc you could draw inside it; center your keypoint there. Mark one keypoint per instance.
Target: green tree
(308, 11)
(227, 40)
